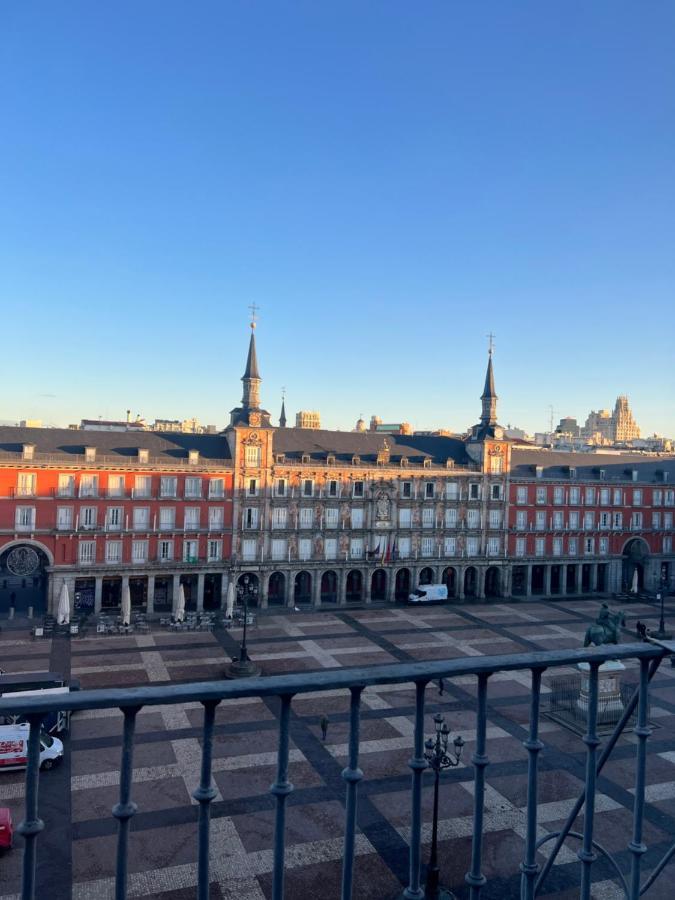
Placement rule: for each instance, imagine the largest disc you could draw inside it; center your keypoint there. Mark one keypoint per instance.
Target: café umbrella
(634, 585)
(179, 609)
(63, 611)
(126, 605)
(229, 612)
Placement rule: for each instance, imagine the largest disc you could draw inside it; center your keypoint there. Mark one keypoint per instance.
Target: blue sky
(388, 181)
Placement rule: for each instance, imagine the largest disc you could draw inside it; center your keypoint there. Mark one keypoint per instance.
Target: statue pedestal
(610, 705)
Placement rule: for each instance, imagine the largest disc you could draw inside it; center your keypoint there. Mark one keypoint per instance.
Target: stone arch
(635, 554)
(493, 582)
(378, 585)
(30, 542)
(426, 576)
(354, 586)
(302, 589)
(23, 577)
(449, 579)
(471, 582)
(402, 588)
(329, 587)
(276, 589)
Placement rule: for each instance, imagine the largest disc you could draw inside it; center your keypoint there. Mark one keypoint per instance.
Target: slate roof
(318, 443)
(67, 443)
(251, 370)
(617, 467)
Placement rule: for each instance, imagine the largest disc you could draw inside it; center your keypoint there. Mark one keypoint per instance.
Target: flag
(394, 552)
(387, 557)
(373, 553)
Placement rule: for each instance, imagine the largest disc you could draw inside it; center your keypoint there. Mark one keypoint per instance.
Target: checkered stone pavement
(79, 841)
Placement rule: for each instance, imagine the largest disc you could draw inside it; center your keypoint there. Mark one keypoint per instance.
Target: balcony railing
(355, 680)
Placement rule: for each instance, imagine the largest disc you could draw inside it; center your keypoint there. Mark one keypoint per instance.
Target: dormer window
(193, 457)
(280, 457)
(305, 459)
(427, 462)
(634, 474)
(449, 464)
(602, 474)
(404, 462)
(330, 459)
(28, 451)
(90, 454)
(356, 460)
(143, 456)
(573, 472)
(539, 471)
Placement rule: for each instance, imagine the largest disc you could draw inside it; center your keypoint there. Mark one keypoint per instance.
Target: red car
(6, 829)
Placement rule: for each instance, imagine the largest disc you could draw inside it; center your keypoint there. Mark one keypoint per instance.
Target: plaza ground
(78, 844)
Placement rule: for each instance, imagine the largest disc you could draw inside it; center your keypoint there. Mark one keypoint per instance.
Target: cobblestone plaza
(78, 843)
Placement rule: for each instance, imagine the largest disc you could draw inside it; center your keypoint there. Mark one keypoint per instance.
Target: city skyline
(387, 188)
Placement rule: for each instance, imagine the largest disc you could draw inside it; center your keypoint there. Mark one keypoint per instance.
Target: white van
(14, 748)
(429, 593)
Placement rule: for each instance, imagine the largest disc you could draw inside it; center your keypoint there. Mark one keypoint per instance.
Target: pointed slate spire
(252, 359)
(489, 395)
(282, 417)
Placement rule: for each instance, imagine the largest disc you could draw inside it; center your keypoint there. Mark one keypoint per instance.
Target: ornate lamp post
(436, 755)
(243, 666)
(662, 634)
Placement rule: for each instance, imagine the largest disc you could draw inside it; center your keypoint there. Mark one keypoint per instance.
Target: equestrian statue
(605, 630)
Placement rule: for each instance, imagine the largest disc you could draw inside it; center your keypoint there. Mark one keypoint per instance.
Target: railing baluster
(643, 731)
(586, 854)
(474, 878)
(281, 788)
(529, 867)
(352, 775)
(125, 809)
(31, 825)
(418, 764)
(604, 756)
(205, 795)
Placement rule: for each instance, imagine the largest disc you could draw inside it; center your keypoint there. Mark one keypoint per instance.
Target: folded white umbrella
(634, 585)
(179, 609)
(229, 612)
(126, 605)
(63, 611)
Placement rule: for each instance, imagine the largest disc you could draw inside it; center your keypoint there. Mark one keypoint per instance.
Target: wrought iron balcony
(355, 680)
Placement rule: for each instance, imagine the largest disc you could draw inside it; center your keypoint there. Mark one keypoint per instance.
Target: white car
(429, 593)
(14, 748)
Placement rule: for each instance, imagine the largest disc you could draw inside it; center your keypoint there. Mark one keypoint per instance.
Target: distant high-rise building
(616, 427)
(308, 419)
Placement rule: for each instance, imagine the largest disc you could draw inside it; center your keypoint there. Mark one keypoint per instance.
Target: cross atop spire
(490, 336)
(282, 417)
(254, 309)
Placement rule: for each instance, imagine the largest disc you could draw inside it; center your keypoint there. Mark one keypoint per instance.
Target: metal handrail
(210, 694)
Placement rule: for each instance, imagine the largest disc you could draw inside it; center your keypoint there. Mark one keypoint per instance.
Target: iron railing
(355, 680)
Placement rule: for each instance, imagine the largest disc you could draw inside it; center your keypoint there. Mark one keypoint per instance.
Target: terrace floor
(78, 845)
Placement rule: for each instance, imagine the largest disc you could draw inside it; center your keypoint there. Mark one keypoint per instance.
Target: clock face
(254, 419)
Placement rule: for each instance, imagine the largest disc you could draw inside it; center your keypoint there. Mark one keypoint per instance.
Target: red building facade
(148, 510)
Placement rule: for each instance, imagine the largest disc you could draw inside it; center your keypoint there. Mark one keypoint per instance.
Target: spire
(489, 395)
(251, 376)
(282, 417)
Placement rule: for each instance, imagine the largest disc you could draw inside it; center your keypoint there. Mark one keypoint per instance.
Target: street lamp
(662, 634)
(436, 755)
(243, 666)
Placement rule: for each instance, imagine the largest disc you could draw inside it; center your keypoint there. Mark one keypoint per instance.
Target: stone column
(547, 581)
(200, 592)
(316, 588)
(391, 585)
(367, 576)
(264, 582)
(460, 582)
(224, 582)
(594, 578)
(506, 581)
(342, 586)
(98, 594)
(528, 583)
(151, 595)
(480, 582)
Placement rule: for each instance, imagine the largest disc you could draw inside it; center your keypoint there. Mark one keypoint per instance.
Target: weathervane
(254, 309)
(491, 345)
